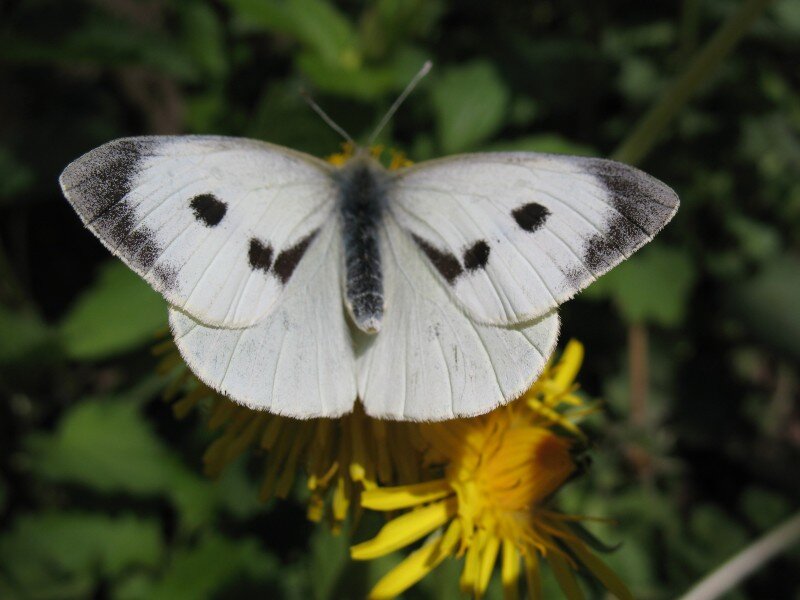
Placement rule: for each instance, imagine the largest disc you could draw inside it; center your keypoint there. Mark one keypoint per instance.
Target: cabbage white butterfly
(296, 286)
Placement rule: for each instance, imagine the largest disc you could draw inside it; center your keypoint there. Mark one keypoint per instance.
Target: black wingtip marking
(208, 209)
(259, 255)
(446, 263)
(642, 205)
(101, 179)
(476, 256)
(531, 216)
(287, 261)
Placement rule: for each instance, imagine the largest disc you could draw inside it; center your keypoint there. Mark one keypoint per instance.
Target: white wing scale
(215, 224)
(513, 235)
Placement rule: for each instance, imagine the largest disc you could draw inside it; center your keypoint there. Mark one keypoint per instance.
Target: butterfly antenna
(393, 108)
(330, 122)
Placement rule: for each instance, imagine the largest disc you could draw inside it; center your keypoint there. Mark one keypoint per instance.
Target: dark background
(693, 344)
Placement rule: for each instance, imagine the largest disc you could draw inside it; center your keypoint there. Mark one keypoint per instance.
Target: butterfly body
(363, 185)
(297, 287)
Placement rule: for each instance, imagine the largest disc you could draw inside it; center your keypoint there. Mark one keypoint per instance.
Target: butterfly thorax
(362, 185)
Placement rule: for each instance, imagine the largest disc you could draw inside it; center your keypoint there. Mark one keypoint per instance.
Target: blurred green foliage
(100, 492)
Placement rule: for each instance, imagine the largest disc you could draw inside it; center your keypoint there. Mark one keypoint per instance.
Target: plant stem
(650, 127)
(639, 376)
(748, 561)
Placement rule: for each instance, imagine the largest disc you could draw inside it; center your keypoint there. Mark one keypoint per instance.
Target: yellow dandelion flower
(493, 499)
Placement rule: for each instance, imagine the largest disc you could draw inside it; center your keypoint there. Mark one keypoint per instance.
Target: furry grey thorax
(362, 185)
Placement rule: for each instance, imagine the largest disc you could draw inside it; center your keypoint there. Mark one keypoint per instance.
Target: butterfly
(297, 287)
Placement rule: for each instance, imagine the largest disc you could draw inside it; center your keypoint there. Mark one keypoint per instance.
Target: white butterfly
(296, 286)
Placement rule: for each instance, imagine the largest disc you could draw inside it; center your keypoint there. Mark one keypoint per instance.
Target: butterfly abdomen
(361, 199)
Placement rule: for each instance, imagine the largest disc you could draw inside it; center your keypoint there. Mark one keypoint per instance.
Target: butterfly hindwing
(431, 361)
(299, 360)
(513, 235)
(217, 225)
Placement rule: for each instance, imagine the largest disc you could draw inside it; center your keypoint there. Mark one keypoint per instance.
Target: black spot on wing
(259, 255)
(287, 261)
(476, 256)
(446, 263)
(208, 209)
(531, 216)
(639, 206)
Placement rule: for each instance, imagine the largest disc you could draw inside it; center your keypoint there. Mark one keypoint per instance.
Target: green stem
(639, 143)
(747, 562)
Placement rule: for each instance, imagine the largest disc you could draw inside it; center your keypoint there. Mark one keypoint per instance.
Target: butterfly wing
(217, 225)
(431, 361)
(299, 360)
(513, 235)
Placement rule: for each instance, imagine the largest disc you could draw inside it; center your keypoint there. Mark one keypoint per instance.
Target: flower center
(512, 469)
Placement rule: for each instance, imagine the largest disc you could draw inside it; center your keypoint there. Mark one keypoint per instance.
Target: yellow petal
(488, 558)
(565, 577)
(469, 576)
(510, 571)
(405, 529)
(341, 499)
(601, 571)
(569, 365)
(534, 577)
(418, 564)
(405, 496)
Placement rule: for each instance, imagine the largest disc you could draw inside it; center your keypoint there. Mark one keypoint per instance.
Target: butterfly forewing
(217, 225)
(513, 235)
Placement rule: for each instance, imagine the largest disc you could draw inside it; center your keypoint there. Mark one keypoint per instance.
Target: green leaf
(764, 507)
(546, 142)
(757, 241)
(651, 287)
(120, 312)
(330, 555)
(470, 103)
(107, 445)
(317, 24)
(716, 536)
(15, 177)
(104, 42)
(767, 304)
(25, 336)
(206, 569)
(57, 555)
(203, 39)
(363, 82)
